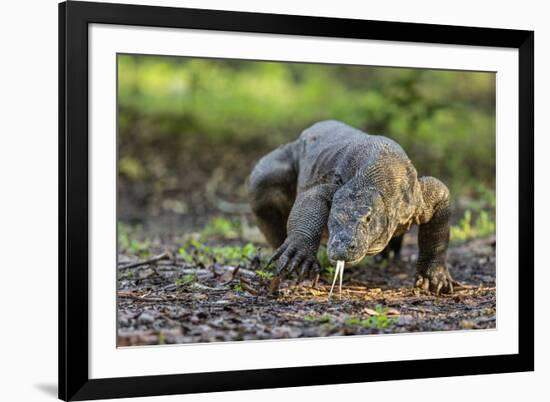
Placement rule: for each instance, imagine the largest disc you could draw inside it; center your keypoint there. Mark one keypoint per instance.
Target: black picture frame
(74, 18)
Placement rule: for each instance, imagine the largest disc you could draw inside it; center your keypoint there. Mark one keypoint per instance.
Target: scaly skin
(361, 189)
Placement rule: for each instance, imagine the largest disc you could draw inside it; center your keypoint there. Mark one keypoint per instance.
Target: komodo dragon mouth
(341, 264)
(359, 259)
(375, 249)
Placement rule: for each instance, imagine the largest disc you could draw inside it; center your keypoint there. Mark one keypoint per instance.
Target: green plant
(323, 319)
(483, 198)
(468, 229)
(264, 274)
(322, 257)
(187, 279)
(187, 257)
(238, 288)
(133, 246)
(220, 227)
(329, 273)
(380, 320)
(123, 236)
(195, 252)
(141, 248)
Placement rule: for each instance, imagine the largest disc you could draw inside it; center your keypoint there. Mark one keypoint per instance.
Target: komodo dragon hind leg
(272, 191)
(393, 246)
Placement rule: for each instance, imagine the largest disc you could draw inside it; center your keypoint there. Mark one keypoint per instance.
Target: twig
(246, 286)
(155, 299)
(236, 270)
(140, 298)
(165, 315)
(164, 256)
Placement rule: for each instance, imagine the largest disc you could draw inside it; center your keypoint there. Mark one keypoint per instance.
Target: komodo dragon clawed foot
(296, 256)
(436, 280)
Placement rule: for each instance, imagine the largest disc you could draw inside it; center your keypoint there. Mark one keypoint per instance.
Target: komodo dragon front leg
(306, 222)
(433, 237)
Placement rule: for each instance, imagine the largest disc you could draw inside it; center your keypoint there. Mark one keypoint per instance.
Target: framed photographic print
(257, 200)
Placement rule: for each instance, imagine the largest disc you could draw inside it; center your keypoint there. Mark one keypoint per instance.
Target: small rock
(146, 273)
(467, 324)
(221, 302)
(406, 320)
(146, 318)
(287, 332)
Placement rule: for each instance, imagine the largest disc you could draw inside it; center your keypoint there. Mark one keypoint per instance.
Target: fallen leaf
(274, 285)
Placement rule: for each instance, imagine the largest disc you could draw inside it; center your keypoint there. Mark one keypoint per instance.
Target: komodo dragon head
(358, 223)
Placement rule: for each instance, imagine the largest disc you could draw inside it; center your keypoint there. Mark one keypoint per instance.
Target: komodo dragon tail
(223, 205)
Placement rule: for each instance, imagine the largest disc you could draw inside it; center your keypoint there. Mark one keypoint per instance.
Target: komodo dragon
(355, 191)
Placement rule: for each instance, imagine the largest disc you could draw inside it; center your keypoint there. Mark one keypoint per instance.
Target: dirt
(216, 302)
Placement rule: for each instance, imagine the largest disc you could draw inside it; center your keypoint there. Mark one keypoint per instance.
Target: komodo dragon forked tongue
(338, 272)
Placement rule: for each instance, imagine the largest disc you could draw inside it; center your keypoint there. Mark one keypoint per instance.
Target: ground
(168, 297)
